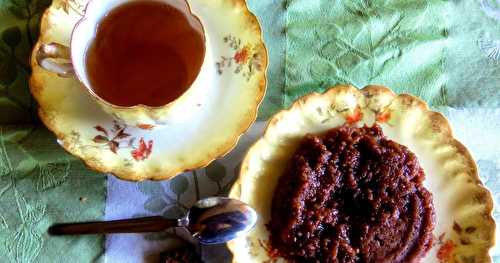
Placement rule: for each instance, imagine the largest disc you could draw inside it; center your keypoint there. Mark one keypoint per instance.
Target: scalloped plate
(464, 229)
(239, 81)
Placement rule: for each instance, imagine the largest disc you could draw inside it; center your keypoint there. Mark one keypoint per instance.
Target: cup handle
(48, 53)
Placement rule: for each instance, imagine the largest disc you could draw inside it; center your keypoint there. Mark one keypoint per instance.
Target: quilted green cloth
(39, 182)
(446, 52)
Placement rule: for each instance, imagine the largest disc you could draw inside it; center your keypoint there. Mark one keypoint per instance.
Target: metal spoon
(212, 220)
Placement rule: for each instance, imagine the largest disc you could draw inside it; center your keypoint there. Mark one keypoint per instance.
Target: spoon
(212, 220)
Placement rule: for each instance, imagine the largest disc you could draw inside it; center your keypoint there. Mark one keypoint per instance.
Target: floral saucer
(464, 230)
(146, 152)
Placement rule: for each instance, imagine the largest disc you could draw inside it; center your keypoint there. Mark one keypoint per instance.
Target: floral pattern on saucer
(246, 58)
(117, 138)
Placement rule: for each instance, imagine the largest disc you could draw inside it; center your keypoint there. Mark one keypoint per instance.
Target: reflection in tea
(145, 52)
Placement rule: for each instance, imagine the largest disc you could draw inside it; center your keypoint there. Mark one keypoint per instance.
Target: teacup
(49, 57)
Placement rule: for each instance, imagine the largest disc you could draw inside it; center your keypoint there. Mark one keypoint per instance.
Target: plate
(464, 230)
(191, 140)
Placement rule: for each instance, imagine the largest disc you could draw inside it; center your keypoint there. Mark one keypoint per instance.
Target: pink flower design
(143, 151)
(242, 55)
(116, 138)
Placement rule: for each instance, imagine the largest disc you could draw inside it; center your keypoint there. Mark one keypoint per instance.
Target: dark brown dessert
(181, 255)
(351, 195)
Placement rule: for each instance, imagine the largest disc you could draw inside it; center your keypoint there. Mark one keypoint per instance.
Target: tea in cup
(138, 59)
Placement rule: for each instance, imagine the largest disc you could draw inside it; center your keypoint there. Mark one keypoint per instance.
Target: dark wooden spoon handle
(136, 225)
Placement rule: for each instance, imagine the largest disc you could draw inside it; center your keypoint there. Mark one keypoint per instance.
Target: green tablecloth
(447, 52)
(39, 183)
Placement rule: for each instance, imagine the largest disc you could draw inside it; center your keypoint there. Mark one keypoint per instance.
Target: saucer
(193, 139)
(464, 229)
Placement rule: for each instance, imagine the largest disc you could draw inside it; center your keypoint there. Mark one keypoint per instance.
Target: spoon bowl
(217, 220)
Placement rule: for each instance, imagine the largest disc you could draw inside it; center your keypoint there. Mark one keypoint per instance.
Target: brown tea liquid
(144, 52)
